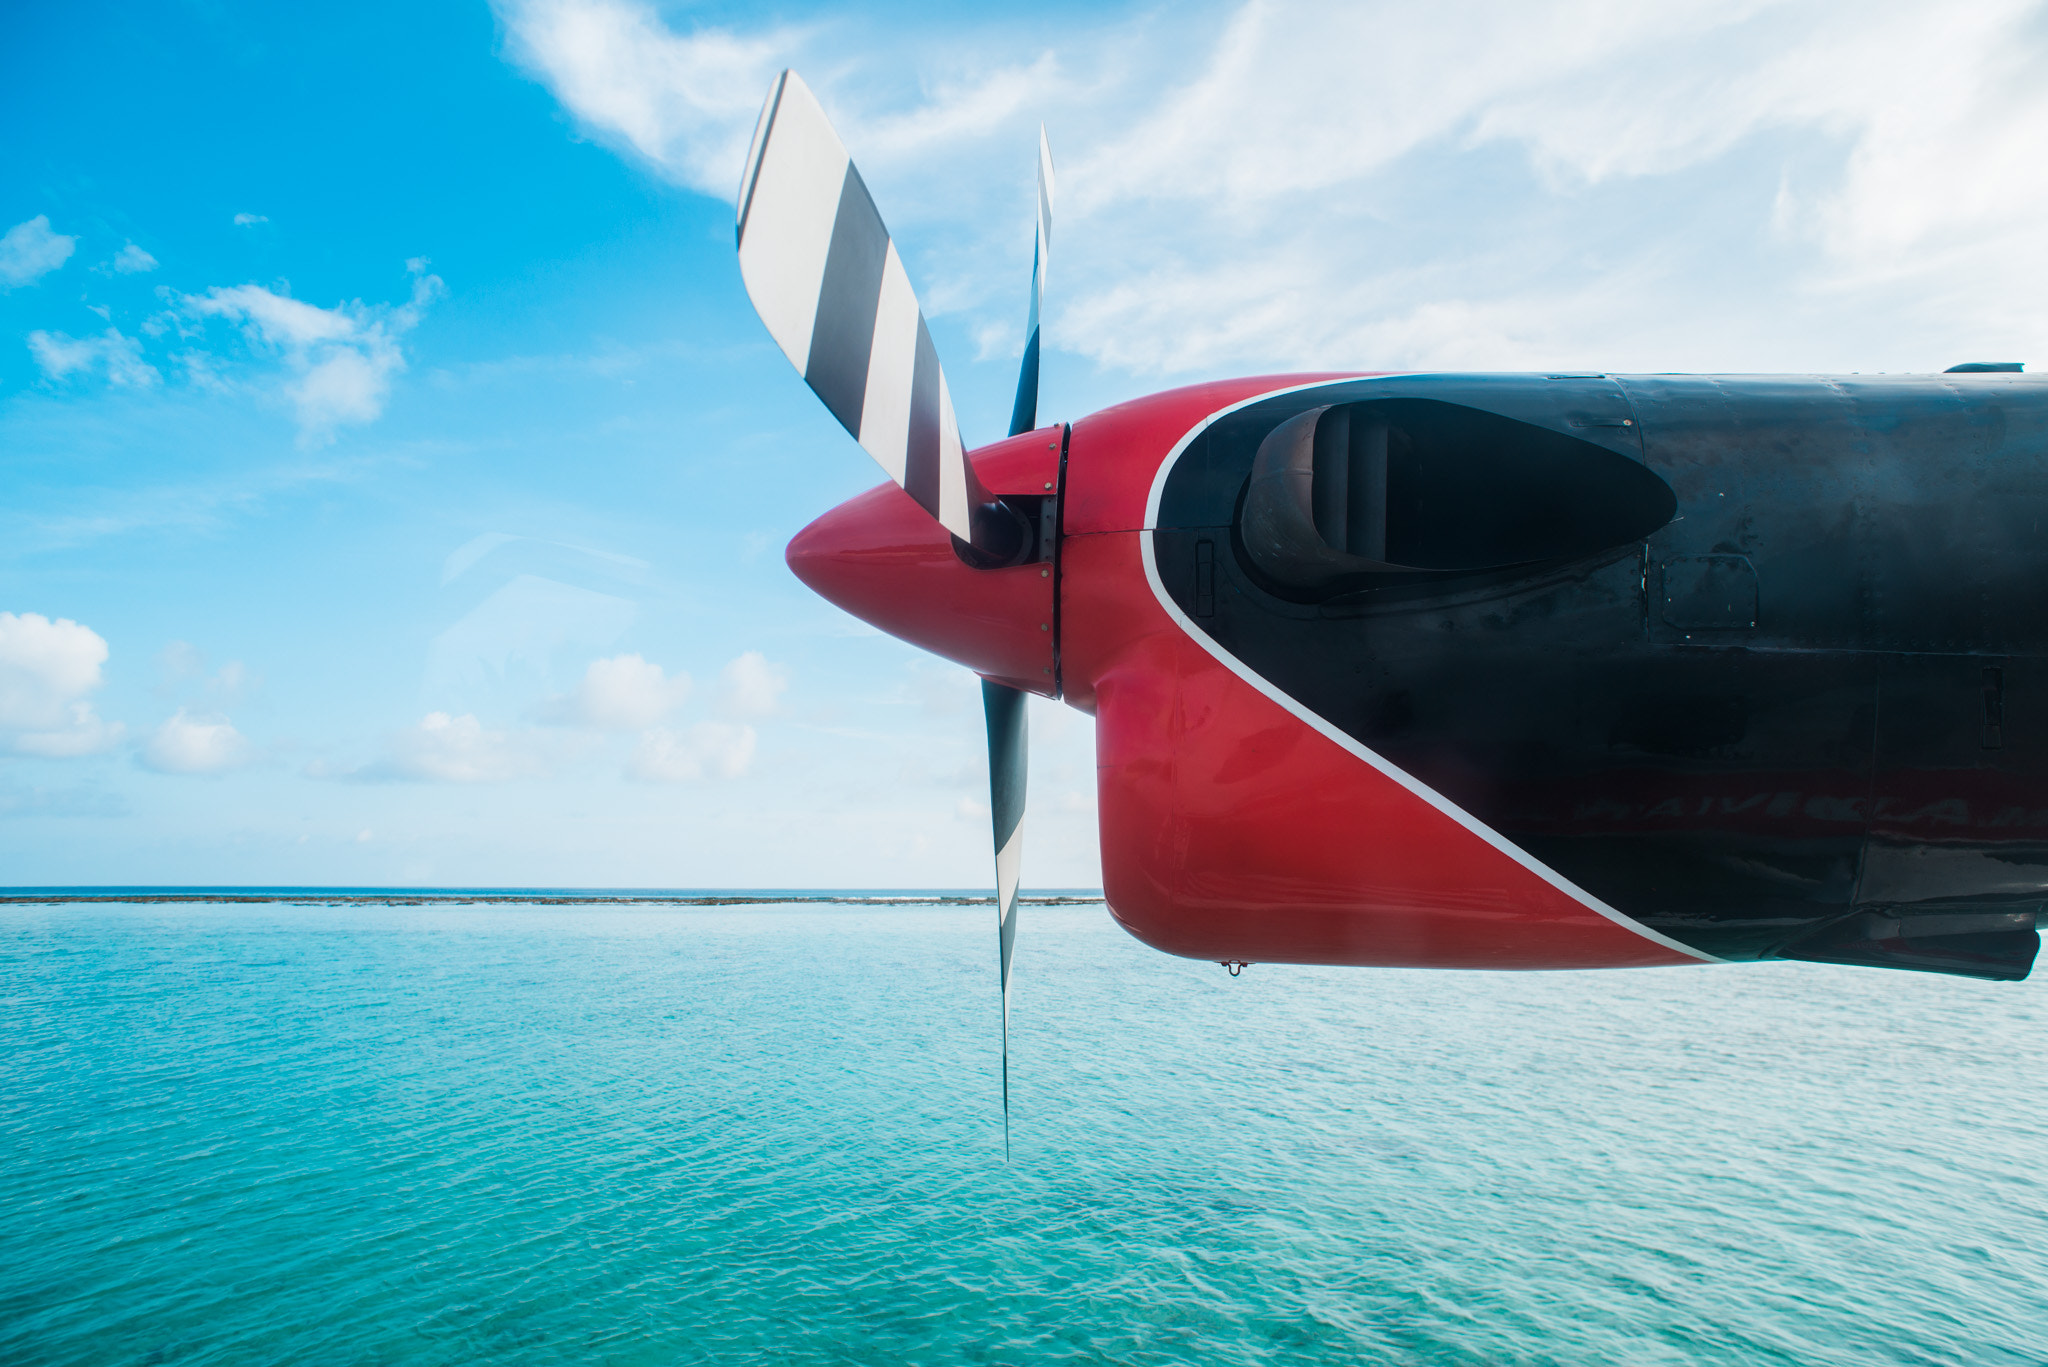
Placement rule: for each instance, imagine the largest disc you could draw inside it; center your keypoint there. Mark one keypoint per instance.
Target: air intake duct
(1346, 495)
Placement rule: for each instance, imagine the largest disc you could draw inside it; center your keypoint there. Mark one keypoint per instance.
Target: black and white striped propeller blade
(826, 279)
(1004, 709)
(1024, 414)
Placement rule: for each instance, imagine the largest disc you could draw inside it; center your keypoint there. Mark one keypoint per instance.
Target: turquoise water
(510, 1134)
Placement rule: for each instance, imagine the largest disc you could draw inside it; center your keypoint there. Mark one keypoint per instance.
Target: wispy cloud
(194, 743)
(47, 670)
(687, 101)
(621, 693)
(1285, 184)
(30, 251)
(338, 362)
(132, 260)
(627, 693)
(341, 359)
(111, 355)
(1477, 184)
(750, 687)
(684, 101)
(710, 749)
(182, 670)
(250, 220)
(441, 748)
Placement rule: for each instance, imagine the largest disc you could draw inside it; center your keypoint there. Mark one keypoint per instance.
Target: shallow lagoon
(527, 1134)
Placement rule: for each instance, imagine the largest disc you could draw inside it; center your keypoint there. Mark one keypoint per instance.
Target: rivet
(1045, 574)
(1052, 446)
(1048, 486)
(1043, 627)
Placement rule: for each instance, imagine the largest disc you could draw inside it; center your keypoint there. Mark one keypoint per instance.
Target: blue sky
(396, 476)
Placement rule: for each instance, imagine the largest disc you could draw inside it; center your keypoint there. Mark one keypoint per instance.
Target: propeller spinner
(827, 281)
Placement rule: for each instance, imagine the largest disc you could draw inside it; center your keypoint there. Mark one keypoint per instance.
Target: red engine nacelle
(1235, 825)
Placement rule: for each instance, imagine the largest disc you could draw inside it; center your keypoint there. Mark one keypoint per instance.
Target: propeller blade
(1004, 707)
(1024, 413)
(825, 277)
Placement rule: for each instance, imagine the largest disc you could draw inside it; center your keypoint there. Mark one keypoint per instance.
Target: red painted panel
(1113, 455)
(1028, 463)
(1233, 830)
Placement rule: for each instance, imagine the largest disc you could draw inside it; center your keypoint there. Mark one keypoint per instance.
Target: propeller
(825, 277)
(826, 280)
(1002, 705)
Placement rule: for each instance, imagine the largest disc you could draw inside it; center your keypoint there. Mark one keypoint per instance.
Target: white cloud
(279, 319)
(1475, 184)
(132, 260)
(446, 749)
(31, 251)
(750, 686)
(248, 220)
(44, 665)
(622, 693)
(1306, 227)
(629, 693)
(46, 669)
(194, 744)
(686, 102)
(348, 386)
(709, 749)
(112, 354)
(343, 358)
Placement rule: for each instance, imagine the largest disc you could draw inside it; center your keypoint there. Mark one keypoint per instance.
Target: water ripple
(415, 1135)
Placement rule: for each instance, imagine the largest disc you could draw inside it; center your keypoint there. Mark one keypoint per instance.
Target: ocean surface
(337, 1134)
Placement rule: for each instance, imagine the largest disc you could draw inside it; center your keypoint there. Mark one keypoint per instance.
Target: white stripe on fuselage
(1406, 780)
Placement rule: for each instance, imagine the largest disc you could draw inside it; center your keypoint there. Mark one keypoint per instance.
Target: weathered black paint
(1807, 717)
